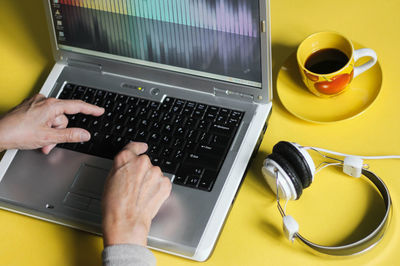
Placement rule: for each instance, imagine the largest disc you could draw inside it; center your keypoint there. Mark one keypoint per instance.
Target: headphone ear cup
(289, 171)
(297, 160)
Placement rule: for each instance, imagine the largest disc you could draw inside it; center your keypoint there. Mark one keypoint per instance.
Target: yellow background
(329, 212)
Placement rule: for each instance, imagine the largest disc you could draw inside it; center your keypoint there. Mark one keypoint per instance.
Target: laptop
(192, 78)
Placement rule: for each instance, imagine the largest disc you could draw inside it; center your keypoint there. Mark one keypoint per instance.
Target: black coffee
(326, 61)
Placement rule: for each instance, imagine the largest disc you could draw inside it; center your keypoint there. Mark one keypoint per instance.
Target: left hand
(40, 122)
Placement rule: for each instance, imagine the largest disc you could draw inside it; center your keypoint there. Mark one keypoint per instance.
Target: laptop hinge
(233, 95)
(83, 64)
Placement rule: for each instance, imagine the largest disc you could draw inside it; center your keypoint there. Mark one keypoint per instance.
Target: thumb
(62, 135)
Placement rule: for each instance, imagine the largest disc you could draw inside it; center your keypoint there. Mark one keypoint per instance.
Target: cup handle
(363, 53)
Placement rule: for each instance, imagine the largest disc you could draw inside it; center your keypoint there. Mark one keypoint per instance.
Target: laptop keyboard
(185, 138)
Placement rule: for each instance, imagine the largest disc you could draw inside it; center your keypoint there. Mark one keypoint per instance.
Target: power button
(155, 91)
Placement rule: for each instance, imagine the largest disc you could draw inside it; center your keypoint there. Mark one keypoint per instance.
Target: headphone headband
(370, 240)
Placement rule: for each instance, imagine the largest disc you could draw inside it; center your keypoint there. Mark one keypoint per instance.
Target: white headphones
(290, 169)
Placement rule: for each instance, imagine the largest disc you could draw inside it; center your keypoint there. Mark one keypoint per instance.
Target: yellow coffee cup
(327, 63)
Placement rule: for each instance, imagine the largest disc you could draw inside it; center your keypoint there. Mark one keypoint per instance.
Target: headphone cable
(345, 155)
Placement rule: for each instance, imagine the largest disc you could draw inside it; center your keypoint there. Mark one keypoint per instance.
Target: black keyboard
(185, 138)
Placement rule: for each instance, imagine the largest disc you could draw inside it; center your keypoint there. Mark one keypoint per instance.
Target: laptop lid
(225, 41)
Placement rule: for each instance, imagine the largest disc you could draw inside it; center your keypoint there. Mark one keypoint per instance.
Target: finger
(137, 148)
(60, 121)
(78, 106)
(63, 135)
(47, 149)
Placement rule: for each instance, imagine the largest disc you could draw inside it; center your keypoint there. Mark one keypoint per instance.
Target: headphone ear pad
(296, 159)
(290, 172)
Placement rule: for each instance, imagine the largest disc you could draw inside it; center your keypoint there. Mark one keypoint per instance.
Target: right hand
(134, 192)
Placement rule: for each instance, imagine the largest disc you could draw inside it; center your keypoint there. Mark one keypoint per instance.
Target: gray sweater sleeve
(128, 254)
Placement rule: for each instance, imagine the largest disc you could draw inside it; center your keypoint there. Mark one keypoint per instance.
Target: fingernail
(85, 136)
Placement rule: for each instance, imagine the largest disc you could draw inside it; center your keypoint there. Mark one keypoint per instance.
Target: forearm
(3, 145)
(128, 254)
(7, 137)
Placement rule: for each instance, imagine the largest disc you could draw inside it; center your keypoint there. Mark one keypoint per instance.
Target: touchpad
(89, 180)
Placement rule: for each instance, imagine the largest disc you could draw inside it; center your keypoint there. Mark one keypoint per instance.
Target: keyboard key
(213, 110)
(132, 101)
(154, 105)
(167, 118)
(129, 132)
(180, 132)
(221, 130)
(167, 153)
(156, 126)
(83, 147)
(143, 102)
(206, 149)
(204, 125)
(168, 129)
(122, 98)
(166, 140)
(180, 179)
(169, 166)
(224, 112)
(110, 96)
(67, 91)
(178, 143)
(220, 119)
(155, 116)
(204, 137)
(178, 155)
(207, 180)
(96, 137)
(142, 135)
(185, 170)
(156, 161)
(209, 161)
(192, 181)
(144, 124)
(236, 114)
(218, 140)
(154, 151)
(154, 138)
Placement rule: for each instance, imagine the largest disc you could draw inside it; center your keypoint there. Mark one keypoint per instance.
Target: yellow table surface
(335, 209)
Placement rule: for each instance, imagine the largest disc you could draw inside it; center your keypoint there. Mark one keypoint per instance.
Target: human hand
(134, 192)
(40, 122)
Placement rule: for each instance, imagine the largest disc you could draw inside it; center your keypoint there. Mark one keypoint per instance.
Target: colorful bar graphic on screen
(233, 16)
(188, 34)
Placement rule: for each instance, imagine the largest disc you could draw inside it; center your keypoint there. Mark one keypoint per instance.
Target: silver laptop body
(65, 186)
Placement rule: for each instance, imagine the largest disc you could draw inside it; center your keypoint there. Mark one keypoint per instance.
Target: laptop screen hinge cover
(233, 94)
(83, 64)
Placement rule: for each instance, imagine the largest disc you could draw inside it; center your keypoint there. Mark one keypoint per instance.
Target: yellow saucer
(299, 101)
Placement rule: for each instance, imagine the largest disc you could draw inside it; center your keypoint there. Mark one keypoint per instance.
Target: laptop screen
(217, 39)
